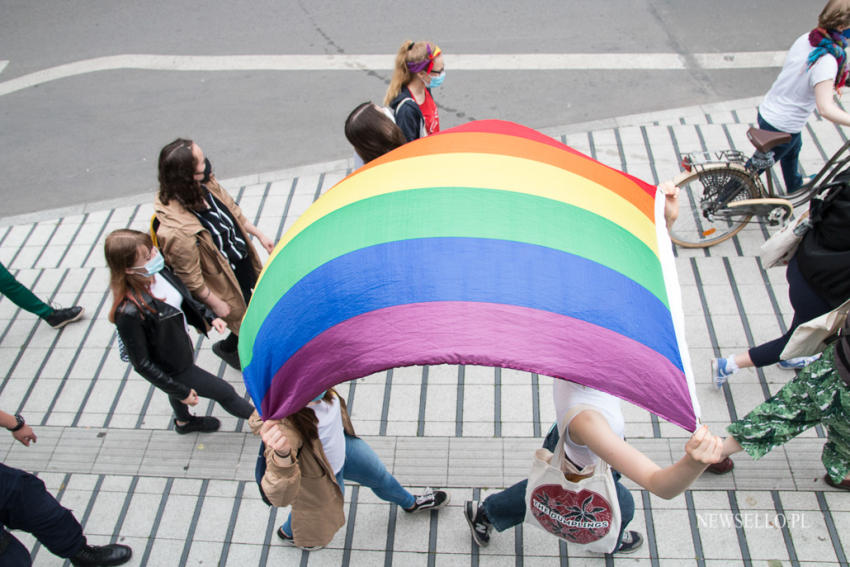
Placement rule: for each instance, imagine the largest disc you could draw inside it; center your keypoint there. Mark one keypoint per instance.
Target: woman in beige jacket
(308, 454)
(205, 238)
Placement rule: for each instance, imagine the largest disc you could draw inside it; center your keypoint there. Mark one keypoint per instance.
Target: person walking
(151, 308)
(819, 394)
(418, 69)
(28, 301)
(372, 131)
(26, 505)
(595, 433)
(205, 238)
(815, 68)
(307, 458)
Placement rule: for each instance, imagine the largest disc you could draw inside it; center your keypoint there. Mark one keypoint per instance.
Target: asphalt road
(96, 135)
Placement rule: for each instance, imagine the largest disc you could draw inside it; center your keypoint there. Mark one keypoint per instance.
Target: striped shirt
(222, 226)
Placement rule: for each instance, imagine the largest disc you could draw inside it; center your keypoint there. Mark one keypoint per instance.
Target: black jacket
(408, 116)
(157, 343)
(824, 253)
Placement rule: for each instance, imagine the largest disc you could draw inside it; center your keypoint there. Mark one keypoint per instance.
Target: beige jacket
(193, 256)
(306, 481)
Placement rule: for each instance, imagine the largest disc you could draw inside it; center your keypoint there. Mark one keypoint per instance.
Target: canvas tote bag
(578, 506)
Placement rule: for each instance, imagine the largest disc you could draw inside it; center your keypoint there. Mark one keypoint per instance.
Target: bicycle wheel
(704, 220)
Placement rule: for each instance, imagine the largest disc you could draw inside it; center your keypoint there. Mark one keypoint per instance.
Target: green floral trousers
(816, 395)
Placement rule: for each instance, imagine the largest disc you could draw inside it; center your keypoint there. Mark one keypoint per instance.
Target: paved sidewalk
(106, 451)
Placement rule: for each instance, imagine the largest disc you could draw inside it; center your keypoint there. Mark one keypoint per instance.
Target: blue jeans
(788, 156)
(506, 509)
(26, 505)
(363, 466)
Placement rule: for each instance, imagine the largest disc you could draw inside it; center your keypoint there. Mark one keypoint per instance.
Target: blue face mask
(438, 80)
(319, 397)
(154, 265)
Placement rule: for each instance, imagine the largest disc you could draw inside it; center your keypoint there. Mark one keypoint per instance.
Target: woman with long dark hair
(206, 239)
(151, 309)
(308, 456)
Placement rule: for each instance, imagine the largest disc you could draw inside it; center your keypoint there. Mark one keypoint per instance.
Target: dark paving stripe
(423, 397)
(771, 295)
(745, 322)
(678, 151)
(231, 525)
(739, 529)
(318, 192)
(591, 144)
(432, 537)
(115, 401)
(475, 552)
(267, 541)
(99, 234)
(155, 527)
(648, 149)
(695, 536)
(285, 212)
(349, 527)
(116, 531)
(385, 408)
(518, 537)
(461, 374)
(830, 527)
(619, 140)
(193, 525)
(735, 240)
(262, 204)
(562, 553)
(535, 404)
(650, 527)
(46, 244)
(388, 547)
(497, 402)
(89, 506)
(712, 335)
(72, 240)
(786, 533)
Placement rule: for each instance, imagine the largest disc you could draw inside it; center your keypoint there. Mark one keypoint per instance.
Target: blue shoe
(719, 372)
(799, 362)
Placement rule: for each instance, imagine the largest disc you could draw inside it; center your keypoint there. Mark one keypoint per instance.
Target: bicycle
(721, 193)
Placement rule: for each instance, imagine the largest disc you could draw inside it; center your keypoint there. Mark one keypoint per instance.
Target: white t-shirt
(791, 99)
(331, 433)
(569, 394)
(163, 290)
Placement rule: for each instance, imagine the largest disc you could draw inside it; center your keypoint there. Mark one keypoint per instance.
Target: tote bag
(583, 511)
(810, 337)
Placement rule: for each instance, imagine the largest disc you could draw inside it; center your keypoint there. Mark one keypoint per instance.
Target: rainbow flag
(488, 244)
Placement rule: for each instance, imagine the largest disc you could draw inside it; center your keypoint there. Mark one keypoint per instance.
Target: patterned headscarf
(428, 63)
(834, 43)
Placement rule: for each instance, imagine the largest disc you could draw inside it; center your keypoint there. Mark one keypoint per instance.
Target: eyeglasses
(435, 72)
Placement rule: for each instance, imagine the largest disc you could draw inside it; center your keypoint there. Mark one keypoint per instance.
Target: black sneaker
(429, 500)
(61, 317)
(204, 424)
(630, 543)
(478, 522)
(93, 555)
(287, 540)
(231, 357)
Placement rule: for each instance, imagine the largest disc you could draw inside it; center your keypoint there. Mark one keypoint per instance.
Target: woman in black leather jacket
(151, 308)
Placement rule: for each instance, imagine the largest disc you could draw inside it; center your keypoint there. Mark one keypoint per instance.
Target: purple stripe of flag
(487, 334)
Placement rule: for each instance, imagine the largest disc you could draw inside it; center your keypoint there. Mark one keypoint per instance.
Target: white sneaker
(799, 362)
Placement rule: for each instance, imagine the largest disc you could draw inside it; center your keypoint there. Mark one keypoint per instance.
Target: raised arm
(702, 449)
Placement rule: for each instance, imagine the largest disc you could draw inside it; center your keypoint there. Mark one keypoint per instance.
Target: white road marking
(462, 62)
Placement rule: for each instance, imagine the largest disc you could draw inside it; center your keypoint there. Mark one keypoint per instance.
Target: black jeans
(807, 305)
(26, 505)
(213, 387)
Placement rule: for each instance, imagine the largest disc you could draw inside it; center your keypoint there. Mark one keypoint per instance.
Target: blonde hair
(835, 15)
(409, 52)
